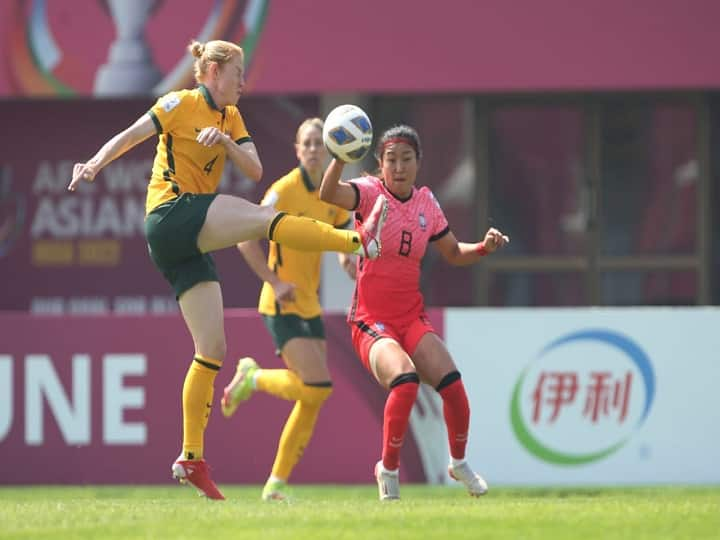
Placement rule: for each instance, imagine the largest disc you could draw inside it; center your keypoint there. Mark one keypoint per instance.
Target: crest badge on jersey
(422, 221)
(380, 326)
(170, 101)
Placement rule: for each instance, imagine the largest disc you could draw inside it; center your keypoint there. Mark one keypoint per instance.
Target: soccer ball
(348, 133)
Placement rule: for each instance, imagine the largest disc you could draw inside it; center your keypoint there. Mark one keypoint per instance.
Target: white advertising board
(591, 395)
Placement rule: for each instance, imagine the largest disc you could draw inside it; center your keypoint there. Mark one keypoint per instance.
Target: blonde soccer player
(186, 219)
(290, 308)
(391, 333)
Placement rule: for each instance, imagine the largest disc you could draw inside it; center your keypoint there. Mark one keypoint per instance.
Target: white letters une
(72, 412)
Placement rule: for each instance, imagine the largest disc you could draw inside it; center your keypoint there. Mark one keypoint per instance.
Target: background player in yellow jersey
(186, 220)
(291, 310)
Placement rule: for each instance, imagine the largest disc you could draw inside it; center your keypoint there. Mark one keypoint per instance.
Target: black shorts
(171, 231)
(283, 328)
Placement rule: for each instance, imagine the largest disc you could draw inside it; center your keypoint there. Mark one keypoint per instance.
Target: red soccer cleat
(371, 228)
(197, 473)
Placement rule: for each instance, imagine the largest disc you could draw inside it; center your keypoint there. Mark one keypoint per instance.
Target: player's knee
(315, 394)
(410, 378)
(214, 348)
(447, 380)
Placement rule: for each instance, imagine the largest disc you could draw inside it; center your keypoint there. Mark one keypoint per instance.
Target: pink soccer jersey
(388, 288)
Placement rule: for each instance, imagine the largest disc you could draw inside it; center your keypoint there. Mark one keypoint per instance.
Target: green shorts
(171, 231)
(285, 327)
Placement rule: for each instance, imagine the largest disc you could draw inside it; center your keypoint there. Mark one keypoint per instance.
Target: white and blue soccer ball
(348, 133)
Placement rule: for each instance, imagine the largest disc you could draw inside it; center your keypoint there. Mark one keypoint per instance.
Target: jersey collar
(306, 179)
(401, 199)
(208, 97)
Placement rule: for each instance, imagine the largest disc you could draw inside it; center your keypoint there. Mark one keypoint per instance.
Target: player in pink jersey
(390, 330)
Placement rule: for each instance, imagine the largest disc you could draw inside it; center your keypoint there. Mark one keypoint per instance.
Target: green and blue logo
(579, 400)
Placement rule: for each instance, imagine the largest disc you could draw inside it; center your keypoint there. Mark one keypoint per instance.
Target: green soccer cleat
(241, 387)
(275, 490)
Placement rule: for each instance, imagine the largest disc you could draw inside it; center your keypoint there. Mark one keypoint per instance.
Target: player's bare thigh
(202, 309)
(308, 358)
(432, 359)
(388, 360)
(231, 220)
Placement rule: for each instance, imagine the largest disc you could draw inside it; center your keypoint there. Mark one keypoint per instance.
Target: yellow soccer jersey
(296, 195)
(182, 165)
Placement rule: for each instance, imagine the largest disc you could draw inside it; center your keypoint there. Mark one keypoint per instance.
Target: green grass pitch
(353, 512)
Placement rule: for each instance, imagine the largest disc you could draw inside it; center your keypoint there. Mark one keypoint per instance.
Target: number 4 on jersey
(209, 165)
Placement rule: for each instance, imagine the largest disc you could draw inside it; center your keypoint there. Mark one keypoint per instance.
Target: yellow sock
(298, 429)
(305, 234)
(197, 401)
(281, 383)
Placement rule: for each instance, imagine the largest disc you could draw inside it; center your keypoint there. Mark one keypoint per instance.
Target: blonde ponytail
(218, 51)
(196, 48)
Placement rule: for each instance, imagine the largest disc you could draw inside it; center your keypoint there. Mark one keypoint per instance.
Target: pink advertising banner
(84, 252)
(98, 400)
(117, 47)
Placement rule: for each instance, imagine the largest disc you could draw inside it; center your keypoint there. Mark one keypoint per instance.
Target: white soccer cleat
(388, 482)
(474, 483)
(371, 228)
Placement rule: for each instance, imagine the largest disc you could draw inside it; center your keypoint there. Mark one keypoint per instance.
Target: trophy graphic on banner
(130, 68)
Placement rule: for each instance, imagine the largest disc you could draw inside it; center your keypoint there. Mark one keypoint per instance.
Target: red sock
(457, 417)
(397, 417)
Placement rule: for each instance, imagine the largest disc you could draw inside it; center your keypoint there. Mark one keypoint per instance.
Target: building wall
(404, 46)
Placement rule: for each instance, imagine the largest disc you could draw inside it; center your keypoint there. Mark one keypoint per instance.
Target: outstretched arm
(334, 191)
(462, 253)
(141, 130)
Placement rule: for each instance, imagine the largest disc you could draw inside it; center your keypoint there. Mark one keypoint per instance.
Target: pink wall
(240, 450)
(404, 46)
(494, 45)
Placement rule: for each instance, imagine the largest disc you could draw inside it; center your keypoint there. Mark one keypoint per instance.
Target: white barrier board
(591, 395)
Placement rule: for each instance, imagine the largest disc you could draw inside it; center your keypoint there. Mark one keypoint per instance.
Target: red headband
(393, 140)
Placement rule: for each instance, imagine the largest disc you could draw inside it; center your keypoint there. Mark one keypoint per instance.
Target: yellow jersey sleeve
(168, 109)
(237, 129)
